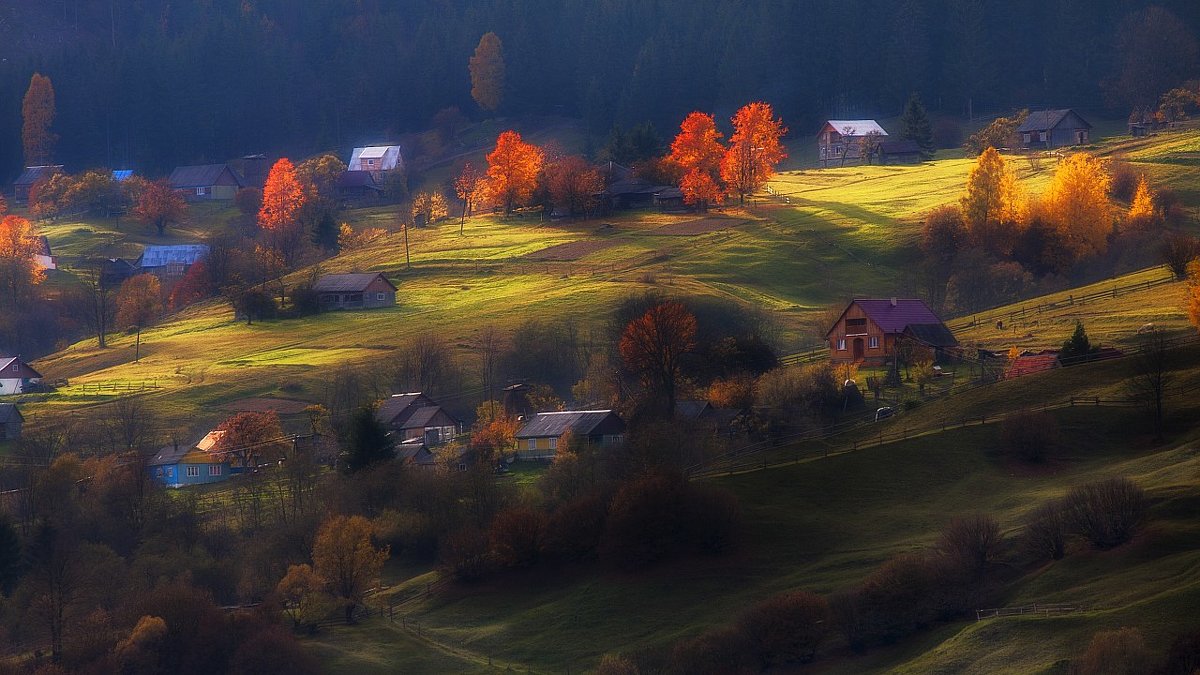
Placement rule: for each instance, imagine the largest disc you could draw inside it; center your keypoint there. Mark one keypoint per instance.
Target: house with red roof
(868, 330)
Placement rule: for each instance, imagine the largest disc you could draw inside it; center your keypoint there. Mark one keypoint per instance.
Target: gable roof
(358, 179)
(421, 417)
(348, 283)
(892, 318)
(185, 254)
(932, 334)
(10, 413)
(32, 174)
(691, 409)
(390, 156)
(555, 424)
(203, 175)
(395, 409)
(25, 370)
(857, 127)
(1042, 120)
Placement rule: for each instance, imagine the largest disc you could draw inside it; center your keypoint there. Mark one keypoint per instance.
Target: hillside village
(885, 387)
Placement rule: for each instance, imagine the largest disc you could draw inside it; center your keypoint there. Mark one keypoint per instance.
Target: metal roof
(348, 283)
(32, 174)
(1043, 120)
(120, 175)
(160, 256)
(555, 424)
(932, 334)
(9, 413)
(25, 370)
(856, 127)
(204, 175)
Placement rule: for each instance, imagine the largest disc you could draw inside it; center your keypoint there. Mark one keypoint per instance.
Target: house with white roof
(841, 140)
(376, 159)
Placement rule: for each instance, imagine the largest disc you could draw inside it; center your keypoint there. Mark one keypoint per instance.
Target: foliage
(573, 184)
(301, 591)
(697, 151)
(516, 536)
(1113, 652)
(991, 204)
(488, 72)
(429, 207)
(282, 200)
(139, 301)
(1029, 435)
(345, 558)
(251, 437)
(786, 628)
(754, 149)
(157, 204)
(639, 143)
(1076, 203)
(248, 200)
(37, 113)
(1155, 51)
(1046, 530)
(1078, 348)
(1178, 250)
(469, 186)
(999, 134)
(653, 346)
(367, 442)
(19, 272)
(915, 124)
(1142, 211)
(464, 554)
(970, 543)
(513, 168)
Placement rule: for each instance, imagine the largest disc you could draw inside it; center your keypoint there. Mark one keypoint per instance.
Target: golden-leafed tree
(697, 151)
(345, 558)
(1077, 203)
(139, 304)
(37, 111)
(653, 347)
(513, 168)
(1142, 212)
(755, 149)
(282, 201)
(487, 72)
(19, 246)
(992, 204)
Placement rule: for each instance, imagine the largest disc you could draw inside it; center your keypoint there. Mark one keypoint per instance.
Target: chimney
(893, 302)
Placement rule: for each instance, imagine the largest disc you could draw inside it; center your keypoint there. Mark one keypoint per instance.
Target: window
(1042, 136)
(1027, 137)
(873, 342)
(193, 470)
(553, 443)
(856, 326)
(841, 344)
(16, 367)
(214, 470)
(379, 297)
(201, 191)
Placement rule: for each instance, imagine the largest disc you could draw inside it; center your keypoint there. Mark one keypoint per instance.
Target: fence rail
(101, 387)
(1034, 609)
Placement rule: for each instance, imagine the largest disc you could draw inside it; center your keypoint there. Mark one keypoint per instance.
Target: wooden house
(169, 261)
(368, 290)
(415, 416)
(359, 187)
(10, 422)
(1047, 129)
(842, 140)
(207, 182)
(868, 329)
(539, 437)
(177, 466)
(377, 159)
(16, 376)
(30, 176)
(45, 258)
(252, 169)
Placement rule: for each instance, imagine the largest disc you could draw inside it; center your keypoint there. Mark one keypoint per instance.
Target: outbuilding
(1047, 129)
(539, 438)
(361, 290)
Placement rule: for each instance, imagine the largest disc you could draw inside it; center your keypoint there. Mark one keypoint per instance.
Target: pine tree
(366, 441)
(1078, 348)
(915, 124)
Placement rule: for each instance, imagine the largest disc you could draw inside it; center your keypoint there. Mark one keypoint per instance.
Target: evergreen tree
(1078, 348)
(366, 441)
(915, 124)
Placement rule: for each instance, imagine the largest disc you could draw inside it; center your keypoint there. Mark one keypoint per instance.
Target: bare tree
(130, 423)
(490, 344)
(1152, 374)
(868, 145)
(94, 299)
(424, 364)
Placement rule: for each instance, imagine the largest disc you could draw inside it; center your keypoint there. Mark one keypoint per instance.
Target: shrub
(786, 628)
(516, 536)
(1124, 180)
(1029, 435)
(273, 651)
(1046, 532)
(1179, 249)
(464, 554)
(971, 542)
(1107, 512)
(1183, 658)
(721, 651)
(645, 523)
(896, 599)
(408, 533)
(1113, 652)
(305, 301)
(615, 664)
(574, 530)
(715, 519)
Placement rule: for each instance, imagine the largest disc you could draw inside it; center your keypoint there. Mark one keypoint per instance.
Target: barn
(1047, 129)
(365, 290)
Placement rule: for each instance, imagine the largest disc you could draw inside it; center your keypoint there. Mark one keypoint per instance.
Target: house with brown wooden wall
(868, 329)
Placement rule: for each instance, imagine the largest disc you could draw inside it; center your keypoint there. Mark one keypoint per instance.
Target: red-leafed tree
(195, 286)
(282, 200)
(37, 109)
(755, 149)
(156, 204)
(653, 346)
(697, 151)
(574, 184)
(251, 435)
(513, 169)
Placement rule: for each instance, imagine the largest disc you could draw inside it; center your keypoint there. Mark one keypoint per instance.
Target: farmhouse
(16, 376)
(1054, 129)
(114, 271)
(376, 159)
(10, 422)
(842, 140)
(868, 329)
(207, 182)
(31, 175)
(367, 290)
(539, 437)
(176, 466)
(169, 261)
(416, 416)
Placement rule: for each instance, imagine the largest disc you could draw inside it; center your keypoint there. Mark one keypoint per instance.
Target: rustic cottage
(868, 329)
(1054, 129)
(177, 466)
(367, 290)
(169, 261)
(31, 175)
(376, 159)
(842, 140)
(10, 422)
(16, 376)
(415, 416)
(540, 436)
(208, 182)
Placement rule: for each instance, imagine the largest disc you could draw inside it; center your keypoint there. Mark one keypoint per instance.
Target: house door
(858, 349)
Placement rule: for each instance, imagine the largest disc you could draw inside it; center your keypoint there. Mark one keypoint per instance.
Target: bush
(896, 599)
(970, 543)
(574, 530)
(615, 664)
(305, 301)
(1029, 436)
(1113, 652)
(786, 628)
(516, 536)
(1179, 249)
(464, 554)
(1046, 532)
(1107, 512)
(645, 521)
(1124, 180)
(721, 651)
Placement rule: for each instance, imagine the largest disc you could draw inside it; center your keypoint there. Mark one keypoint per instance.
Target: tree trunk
(137, 349)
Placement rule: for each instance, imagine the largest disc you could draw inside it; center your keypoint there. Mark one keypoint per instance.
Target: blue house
(176, 466)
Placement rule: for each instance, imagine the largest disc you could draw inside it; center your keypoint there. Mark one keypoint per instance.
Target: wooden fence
(128, 386)
(1036, 609)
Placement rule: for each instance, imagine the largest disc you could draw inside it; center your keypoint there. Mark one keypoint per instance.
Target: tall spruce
(366, 442)
(1078, 348)
(915, 124)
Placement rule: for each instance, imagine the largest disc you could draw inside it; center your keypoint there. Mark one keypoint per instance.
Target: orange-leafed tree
(37, 111)
(157, 205)
(495, 438)
(139, 304)
(468, 187)
(345, 558)
(1142, 212)
(697, 151)
(1077, 203)
(487, 72)
(19, 246)
(195, 286)
(249, 436)
(991, 205)
(755, 149)
(513, 169)
(282, 201)
(653, 347)
(574, 184)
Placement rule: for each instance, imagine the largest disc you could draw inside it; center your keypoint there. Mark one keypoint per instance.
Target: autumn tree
(429, 207)
(139, 304)
(487, 72)
(1142, 212)
(249, 435)
(468, 187)
(157, 204)
(513, 168)
(999, 134)
(19, 246)
(301, 591)
(574, 184)
(37, 110)
(697, 151)
(196, 285)
(1077, 203)
(915, 125)
(345, 558)
(319, 177)
(653, 347)
(991, 205)
(93, 299)
(283, 199)
(95, 192)
(754, 149)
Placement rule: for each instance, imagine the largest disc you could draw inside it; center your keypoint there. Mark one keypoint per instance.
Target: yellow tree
(283, 198)
(754, 150)
(345, 558)
(19, 246)
(37, 111)
(487, 72)
(1141, 210)
(992, 203)
(1077, 203)
(697, 151)
(513, 169)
